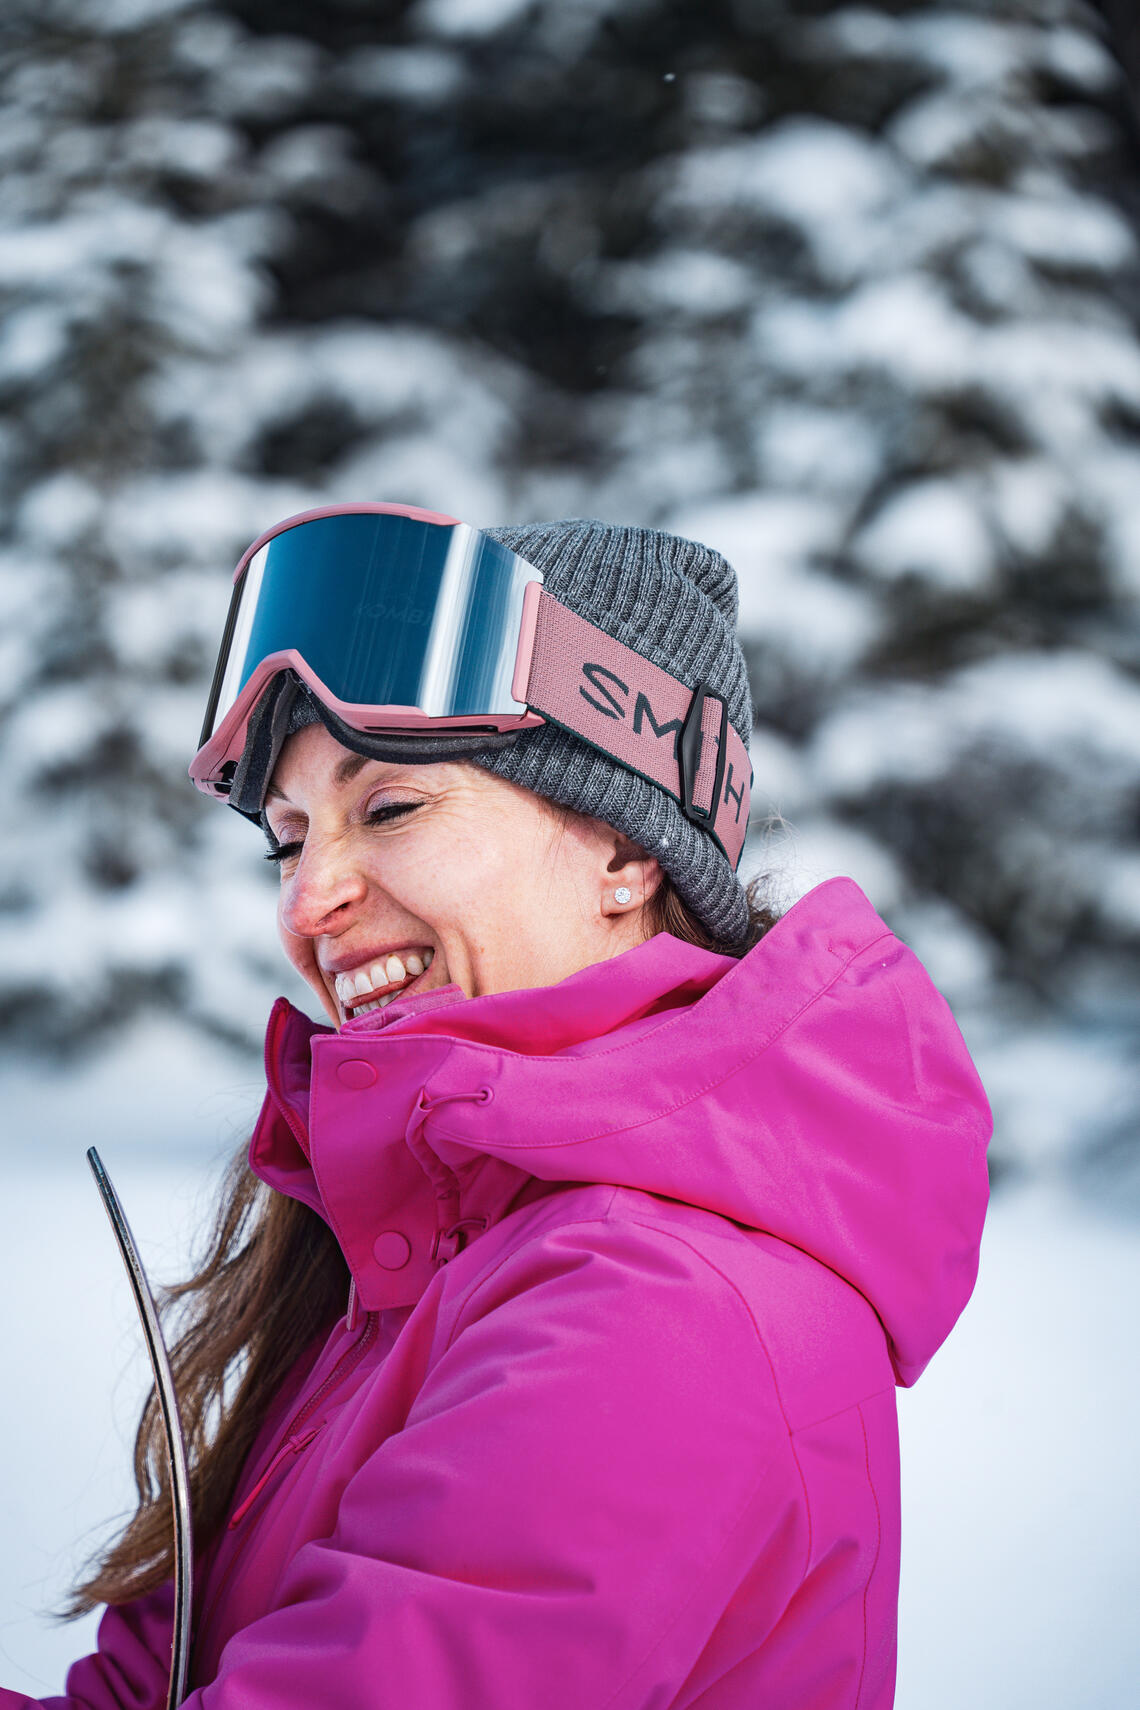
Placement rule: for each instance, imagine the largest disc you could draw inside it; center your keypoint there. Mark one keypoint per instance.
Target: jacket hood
(817, 1089)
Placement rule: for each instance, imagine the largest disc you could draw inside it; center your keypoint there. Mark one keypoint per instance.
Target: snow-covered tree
(850, 292)
(151, 429)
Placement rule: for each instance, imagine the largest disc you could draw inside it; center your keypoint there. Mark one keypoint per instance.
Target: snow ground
(1021, 1575)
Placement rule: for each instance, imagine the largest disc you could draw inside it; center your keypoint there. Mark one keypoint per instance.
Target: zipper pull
(292, 1447)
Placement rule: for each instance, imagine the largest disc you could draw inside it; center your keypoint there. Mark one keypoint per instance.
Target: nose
(325, 883)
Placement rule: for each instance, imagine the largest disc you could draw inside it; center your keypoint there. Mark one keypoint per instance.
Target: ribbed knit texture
(675, 602)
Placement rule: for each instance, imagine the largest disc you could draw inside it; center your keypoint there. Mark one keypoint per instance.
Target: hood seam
(535, 1143)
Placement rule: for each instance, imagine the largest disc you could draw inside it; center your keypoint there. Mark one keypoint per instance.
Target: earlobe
(633, 878)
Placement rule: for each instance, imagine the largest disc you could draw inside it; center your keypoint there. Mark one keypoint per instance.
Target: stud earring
(623, 894)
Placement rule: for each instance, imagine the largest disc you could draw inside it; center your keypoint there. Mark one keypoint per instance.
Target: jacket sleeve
(131, 1668)
(592, 1463)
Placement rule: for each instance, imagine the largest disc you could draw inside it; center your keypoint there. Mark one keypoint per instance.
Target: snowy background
(852, 293)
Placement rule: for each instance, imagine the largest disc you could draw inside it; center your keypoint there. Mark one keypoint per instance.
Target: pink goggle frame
(566, 671)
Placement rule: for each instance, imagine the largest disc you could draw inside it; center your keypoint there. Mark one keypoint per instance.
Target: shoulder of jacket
(635, 1237)
(819, 1339)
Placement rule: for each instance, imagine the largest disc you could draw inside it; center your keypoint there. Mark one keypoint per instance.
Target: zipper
(347, 1363)
(294, 1445)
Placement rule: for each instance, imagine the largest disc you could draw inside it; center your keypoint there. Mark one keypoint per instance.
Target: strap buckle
(691, 751)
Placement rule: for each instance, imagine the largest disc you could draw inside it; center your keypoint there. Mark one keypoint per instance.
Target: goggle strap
(265, 734)
(625, 705)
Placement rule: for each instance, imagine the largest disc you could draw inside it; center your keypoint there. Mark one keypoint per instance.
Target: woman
(557, 1365)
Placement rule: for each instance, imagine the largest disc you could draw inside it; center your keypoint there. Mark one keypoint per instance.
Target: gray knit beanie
(675, 602)
(669, 599)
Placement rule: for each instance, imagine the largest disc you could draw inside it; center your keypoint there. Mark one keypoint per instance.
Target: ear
(629, 867)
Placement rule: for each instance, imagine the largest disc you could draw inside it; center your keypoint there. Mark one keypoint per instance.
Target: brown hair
(273, 1280)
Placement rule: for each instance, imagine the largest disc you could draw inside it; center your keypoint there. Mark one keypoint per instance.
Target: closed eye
(282, 851)
(390, 810)
(278, 852)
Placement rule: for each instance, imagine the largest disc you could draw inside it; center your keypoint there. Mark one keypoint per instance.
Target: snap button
(355, 1074)
(392, 1250)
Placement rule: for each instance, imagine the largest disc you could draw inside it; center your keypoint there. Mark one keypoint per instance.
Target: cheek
(471, 890)
(449, 878)
(514, 897)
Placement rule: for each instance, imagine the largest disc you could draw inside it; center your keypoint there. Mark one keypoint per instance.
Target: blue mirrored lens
(389, 611)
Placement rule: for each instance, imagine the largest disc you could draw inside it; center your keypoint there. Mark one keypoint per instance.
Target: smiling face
(389, 869)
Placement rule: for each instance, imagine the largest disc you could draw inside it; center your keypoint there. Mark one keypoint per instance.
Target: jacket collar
(345, 1119)
(817, 1089)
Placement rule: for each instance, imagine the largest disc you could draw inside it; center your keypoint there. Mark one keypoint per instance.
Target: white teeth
(382, 1003)
(390, 972)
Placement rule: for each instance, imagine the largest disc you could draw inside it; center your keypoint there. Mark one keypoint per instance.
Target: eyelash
(378, 816)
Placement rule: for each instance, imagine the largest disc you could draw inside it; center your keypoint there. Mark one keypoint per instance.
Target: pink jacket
(639, 1258)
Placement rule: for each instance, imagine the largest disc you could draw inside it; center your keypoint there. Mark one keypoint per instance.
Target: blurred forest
(849, 292)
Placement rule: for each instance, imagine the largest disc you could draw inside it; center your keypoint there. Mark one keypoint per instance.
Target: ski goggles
(406, 624)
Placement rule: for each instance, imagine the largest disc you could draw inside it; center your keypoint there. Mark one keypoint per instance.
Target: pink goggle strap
(631, 709)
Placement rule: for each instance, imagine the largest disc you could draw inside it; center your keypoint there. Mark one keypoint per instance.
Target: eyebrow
(349, 767)
(345, 772)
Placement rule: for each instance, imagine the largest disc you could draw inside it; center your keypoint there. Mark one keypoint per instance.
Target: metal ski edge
(159, 1357)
